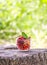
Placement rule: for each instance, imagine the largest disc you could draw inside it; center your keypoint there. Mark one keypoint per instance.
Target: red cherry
(20, 40)
(27, 46)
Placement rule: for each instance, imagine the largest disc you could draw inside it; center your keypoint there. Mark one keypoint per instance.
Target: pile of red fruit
(23, 43)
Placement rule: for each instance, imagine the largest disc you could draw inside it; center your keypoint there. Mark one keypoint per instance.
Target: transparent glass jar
(23, 43)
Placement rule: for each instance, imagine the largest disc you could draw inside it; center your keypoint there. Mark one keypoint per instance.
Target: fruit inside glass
(23, 43)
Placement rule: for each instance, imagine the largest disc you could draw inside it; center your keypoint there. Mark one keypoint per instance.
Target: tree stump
(12, 56)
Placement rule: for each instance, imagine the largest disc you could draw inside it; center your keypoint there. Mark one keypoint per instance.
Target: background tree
(29, 16)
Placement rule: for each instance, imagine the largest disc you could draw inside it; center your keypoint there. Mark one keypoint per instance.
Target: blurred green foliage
(29, 16)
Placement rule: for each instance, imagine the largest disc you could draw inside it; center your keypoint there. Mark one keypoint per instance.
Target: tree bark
(10, 56)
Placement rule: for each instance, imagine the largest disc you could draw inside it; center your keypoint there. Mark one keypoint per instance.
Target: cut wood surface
(13, 56)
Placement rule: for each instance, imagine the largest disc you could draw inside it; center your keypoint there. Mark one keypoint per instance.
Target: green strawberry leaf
(24, 35)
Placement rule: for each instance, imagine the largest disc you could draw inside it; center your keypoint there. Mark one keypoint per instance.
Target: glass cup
(23, 44)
